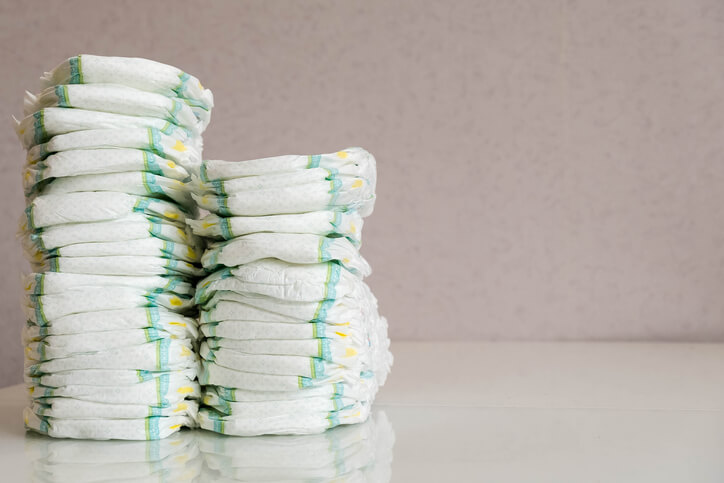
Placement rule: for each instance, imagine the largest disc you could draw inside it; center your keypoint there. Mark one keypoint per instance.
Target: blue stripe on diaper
(175, 109)
(150, 163)
(141, 205)
(154, 141)
(314, 161)
(326, 352)
(153, 316)
(225, 225)
(318, 366)
(183, 78)
(162, 388)
(43, 425)
(61, 92)
(76, 70)
(39, 127)
(162, 353)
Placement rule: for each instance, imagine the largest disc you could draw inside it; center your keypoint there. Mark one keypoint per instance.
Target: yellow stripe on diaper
(174, 426)
(185, 351)
(168, 214)
(179, 146)
(175, 301)
(350, 352)
(177, 323)
(171, 164)
(357, 184)
(181, 407)
(185, 390)
(342, 154)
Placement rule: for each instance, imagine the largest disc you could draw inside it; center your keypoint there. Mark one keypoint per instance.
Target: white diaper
(127, 318)
(347, 224)
(71, 408)
(164, 391)
(133, 226)
(44, 124)
(160, 355)
(299, 423)
(153, 140)
(282, 280)
(107, 377)
(143, 74)
(91, 299)
(120, 99)
(288, 247)
(54, 283)
(48, 210)
(82, 162)
(140, 183)
(154, 427)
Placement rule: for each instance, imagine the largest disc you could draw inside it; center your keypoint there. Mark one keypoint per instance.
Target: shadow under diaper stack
(294, 342)
(109, 341)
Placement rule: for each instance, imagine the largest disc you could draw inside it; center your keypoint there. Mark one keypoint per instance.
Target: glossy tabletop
(451, 411)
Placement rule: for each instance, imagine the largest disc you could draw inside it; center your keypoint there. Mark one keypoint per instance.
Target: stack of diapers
(359, 453)
(292, 339)
(112, 144)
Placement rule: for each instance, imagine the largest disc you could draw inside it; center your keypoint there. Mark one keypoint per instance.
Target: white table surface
(456, 411)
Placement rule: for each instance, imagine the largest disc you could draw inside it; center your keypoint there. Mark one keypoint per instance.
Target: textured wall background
(547, 170)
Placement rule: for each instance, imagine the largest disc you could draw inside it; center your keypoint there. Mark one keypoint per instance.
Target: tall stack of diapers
(109, 342)
(293, 342)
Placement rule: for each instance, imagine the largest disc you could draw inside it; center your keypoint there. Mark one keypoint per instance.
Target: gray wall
(547, 170)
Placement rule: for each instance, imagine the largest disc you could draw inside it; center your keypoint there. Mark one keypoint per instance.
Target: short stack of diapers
(293, 341)
(110, 336)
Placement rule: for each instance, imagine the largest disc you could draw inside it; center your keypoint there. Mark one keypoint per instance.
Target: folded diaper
(48, 210)
(151, 140)
(110, 335)
(288, 247)
(142, 74)
(120, 99)
(329, 223)
(152, 427)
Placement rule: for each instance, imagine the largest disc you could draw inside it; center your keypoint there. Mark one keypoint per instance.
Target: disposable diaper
(44, 124)
(347, 224)
(153, 427)
(149, 247)
(143, 74)
(282, 280)
(72, 408)
(151, 140)
(120, 99)
(99, 161)
(134, 226)
(55, 283)
(140, 183)
(48, 210)
(119, 265)
(91, 299)
(107, 377)
(288, 247)
(160, 355)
